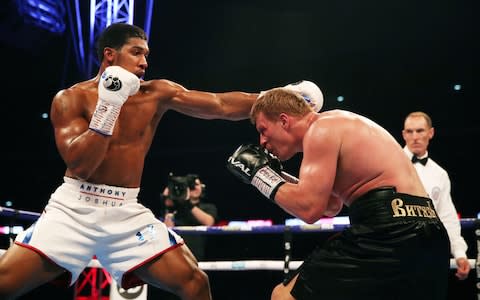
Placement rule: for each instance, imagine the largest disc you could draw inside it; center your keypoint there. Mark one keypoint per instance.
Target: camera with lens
(178, 186)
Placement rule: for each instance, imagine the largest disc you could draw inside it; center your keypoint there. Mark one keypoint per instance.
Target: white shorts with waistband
(84, 220)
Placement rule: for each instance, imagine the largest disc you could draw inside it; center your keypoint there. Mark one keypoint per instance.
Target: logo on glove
(111, 83)
(239, 165)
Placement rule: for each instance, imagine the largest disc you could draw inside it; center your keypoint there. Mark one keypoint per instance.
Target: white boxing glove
(309, 91)
(115, 86)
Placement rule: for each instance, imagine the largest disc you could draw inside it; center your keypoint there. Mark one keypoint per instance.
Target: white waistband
(102, 190)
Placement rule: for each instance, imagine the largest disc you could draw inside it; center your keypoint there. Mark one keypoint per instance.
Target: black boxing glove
(254, 165)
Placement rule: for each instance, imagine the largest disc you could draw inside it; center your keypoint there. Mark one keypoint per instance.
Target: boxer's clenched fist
(115, 86)
(254, 165)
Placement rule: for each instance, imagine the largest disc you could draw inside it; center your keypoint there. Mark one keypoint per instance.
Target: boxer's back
(369, 157)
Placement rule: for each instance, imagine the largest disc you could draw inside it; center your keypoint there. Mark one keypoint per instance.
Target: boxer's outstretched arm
(233, 105)
(205, 105)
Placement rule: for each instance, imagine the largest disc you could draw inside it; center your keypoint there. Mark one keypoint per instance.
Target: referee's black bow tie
(423, 161)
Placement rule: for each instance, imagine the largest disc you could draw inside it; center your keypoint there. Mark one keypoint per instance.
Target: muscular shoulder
(77, 92)
(348, 133)
(73, 101)
(323, 134)
(330, 123)
(337, 119)
(162, 88)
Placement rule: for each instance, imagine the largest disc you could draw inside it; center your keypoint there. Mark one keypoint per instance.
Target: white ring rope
(274, 265)
(249, 265)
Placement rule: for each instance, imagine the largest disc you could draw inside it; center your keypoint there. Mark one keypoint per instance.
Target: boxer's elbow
(310, 218)
(80, 175)
(311, 212)
(333, 208)
(79, 171)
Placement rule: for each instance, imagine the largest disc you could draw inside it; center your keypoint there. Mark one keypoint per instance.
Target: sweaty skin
(344, 156)
(119, 160)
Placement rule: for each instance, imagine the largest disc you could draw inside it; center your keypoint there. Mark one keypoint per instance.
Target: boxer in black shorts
(396, 247)
(377, 256)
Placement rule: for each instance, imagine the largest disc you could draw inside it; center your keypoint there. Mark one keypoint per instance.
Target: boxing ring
(285, 264)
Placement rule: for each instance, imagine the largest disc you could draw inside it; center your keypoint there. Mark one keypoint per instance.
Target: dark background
(387, 58)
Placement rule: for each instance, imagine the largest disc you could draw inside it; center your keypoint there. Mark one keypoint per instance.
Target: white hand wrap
(104, 117)
(267, 181)
(114, 87)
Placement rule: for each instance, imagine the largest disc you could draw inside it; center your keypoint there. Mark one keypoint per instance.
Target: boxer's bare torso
(123, 161)
(344, 156)
(119, 159)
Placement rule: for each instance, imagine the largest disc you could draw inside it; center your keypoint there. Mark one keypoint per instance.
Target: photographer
(184, 205)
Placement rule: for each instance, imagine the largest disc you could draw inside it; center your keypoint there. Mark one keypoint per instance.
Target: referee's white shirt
(436, 181)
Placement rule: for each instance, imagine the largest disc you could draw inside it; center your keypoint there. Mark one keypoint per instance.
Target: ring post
(287, 246)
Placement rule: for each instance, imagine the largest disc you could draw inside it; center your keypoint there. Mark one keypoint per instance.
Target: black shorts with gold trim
(395, 248)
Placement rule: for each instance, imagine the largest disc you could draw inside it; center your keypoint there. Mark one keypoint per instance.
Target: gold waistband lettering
(407, 210)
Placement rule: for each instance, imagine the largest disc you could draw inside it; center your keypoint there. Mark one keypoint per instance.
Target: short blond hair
(279, 100)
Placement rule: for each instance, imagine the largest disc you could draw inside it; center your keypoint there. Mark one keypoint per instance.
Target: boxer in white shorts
(104, 220)
(103, 131)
